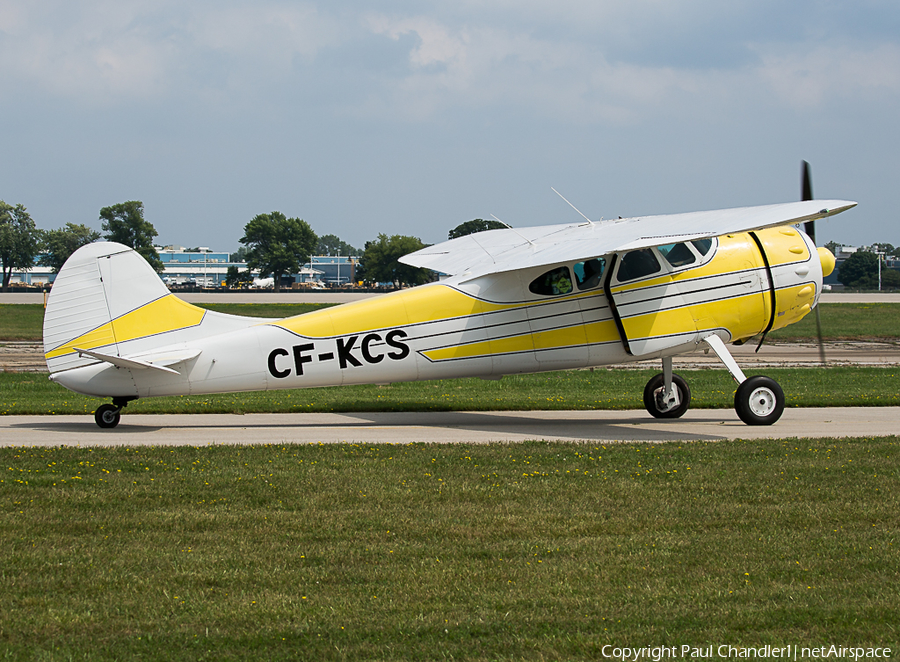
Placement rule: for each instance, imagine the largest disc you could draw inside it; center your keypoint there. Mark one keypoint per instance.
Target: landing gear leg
(667, 395)
(759, 400)
(107, 416)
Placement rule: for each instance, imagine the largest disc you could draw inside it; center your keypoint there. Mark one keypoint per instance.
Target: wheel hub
(667, 401)
(762, 401)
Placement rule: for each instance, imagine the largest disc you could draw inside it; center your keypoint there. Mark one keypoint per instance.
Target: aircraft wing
(495, 251)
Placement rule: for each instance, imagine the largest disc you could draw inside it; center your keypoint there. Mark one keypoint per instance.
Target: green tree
(20, 240)
(234, 277)
(330, 244)
(124, 223)
(240, 255)
(361, 274)
(60, 244)
(890, 278)
(883, 247)
(476, 225)
(278, 245)
(380, 261)
(860, 270)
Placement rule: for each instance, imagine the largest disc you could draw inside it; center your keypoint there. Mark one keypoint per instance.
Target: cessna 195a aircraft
(516, 301)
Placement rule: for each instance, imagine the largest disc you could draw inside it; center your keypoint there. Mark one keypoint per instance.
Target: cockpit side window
(637, 264)
(703, 245)
(589, 272)
(555, 281)
(678, 255)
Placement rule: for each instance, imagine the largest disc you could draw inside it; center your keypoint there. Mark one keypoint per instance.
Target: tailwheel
(759, 401)
(107, 416)
(661, 404)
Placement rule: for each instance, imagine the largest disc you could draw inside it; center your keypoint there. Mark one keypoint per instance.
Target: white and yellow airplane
(516, 301)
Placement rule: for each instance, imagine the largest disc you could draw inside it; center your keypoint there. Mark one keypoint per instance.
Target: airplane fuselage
(615, 308)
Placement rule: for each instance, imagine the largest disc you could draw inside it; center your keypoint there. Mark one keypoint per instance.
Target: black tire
(655, 385)
(107, 416)
(759, 401)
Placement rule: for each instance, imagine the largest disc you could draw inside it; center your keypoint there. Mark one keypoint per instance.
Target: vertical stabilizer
(99, 283)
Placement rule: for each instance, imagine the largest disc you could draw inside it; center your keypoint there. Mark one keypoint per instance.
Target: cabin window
(702, 245)
(678, 255)
(555, 281)
(637, 264)
(588, 273)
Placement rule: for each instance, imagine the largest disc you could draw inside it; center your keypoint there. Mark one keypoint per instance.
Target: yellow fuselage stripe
(168, 313)
(420, 305)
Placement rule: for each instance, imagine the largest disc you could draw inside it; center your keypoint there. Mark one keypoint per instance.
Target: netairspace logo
(727, 652)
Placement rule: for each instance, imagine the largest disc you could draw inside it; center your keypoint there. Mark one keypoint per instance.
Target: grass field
(277, 310)
(498, 552)
(839, 320)
(478, 552)
(24, 321)
(846, 321)
(21, 321)
(34, 393)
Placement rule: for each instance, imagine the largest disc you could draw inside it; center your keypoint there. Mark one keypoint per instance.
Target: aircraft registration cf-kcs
(516, 301)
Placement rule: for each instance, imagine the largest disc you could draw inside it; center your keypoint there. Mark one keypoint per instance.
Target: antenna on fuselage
(509, 227)
(571, 205)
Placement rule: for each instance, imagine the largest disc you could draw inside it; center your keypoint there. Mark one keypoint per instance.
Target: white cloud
(824, 74)
(107, 51)
(457, 65)
(271, 33)
(581, 61)
(481, 67)
(436, 43)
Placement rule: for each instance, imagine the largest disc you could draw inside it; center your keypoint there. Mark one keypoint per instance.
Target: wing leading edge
(496, 251)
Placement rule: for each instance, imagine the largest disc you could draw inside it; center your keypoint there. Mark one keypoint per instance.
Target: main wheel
(107, 416)
(653, 393)
(759, 401)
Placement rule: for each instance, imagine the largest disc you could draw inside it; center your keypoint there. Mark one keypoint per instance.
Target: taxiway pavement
(440, 427)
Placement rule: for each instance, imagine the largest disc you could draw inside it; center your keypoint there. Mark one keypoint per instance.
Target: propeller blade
(807, 183)
(810, 226)
(821, 342)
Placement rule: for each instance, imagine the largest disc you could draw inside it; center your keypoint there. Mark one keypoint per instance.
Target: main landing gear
(667, 395)
(758, 401)
(107, 416)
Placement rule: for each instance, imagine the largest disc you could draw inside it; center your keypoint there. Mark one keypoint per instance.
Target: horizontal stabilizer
(159, 363)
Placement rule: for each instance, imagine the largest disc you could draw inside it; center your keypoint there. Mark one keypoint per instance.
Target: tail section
(99, 283)
(107, 302)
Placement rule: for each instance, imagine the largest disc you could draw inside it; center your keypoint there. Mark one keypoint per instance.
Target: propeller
(810, 226)
(810, 229)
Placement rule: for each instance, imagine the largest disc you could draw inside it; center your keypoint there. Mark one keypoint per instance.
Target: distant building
(35, 276)
(207, 268)
(200, 267)
(842, 253)
(204, 267)
(336, 270)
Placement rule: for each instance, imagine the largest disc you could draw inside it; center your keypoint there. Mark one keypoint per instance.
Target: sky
(404, 117)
